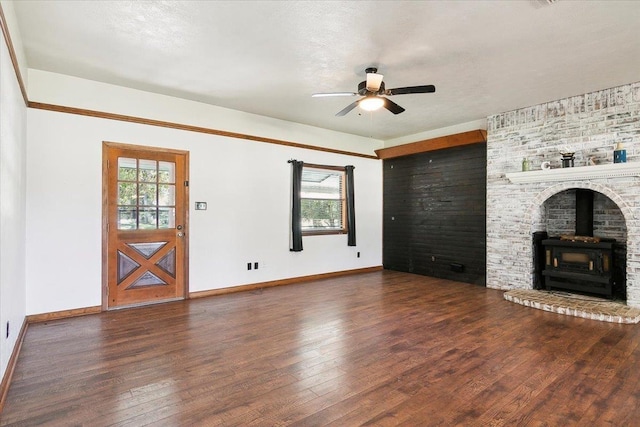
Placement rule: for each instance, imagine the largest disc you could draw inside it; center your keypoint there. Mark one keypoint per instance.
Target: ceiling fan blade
(392, 106)
(411, 89)
(348, 108)
(320, 95)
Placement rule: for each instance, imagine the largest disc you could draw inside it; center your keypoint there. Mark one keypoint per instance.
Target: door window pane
(146, 218)
(167, 217)
(147, 195)
(166, 195)
(126, 266)
(147, 279)
(127, 193)
(168, 263)
(147, 249)
(127, 217)
(148, 170)
(127, 170)
(167, 172)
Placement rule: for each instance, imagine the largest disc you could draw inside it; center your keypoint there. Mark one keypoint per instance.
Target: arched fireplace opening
(582, 245)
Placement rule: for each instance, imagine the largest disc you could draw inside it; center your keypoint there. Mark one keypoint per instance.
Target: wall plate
(201, 206)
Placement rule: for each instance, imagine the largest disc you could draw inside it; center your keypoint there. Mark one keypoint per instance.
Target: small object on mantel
(568, 160)
(619, 154)
(584, 239)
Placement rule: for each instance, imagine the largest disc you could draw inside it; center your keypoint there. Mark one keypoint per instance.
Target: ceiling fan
(374, 94)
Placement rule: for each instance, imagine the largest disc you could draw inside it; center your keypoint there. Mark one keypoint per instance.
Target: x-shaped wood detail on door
(146, 264)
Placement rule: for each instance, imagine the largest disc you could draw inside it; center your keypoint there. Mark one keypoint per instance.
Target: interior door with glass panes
(145, 215)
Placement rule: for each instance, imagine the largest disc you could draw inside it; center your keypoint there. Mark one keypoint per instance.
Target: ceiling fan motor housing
(362, 89)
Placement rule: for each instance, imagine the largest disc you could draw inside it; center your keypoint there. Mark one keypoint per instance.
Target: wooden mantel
(449, 141)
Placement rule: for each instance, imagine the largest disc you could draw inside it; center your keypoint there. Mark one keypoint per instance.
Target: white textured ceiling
(268, 57)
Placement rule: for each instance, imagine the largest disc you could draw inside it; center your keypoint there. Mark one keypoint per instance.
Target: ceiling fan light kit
(374, 80)
(371, 103)
(374, 94)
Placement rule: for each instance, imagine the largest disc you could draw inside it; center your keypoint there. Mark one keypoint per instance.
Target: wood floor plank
(382, 348)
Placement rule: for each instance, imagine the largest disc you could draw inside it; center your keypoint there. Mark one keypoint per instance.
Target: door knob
(180, 234)
(179, 227)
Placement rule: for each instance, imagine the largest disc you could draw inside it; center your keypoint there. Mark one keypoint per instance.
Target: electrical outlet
(248, 266)
(255, 265)
(358, 255)
(7, 335)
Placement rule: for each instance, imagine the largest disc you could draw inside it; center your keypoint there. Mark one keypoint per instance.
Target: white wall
(13, 114)
(246, 221)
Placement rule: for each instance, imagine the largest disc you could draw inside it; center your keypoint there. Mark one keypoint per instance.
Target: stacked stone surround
(592, 125)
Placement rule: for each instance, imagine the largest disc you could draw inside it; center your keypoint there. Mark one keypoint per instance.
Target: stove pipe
(584, 212)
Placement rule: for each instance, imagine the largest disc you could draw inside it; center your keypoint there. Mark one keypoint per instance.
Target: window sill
(323, 232)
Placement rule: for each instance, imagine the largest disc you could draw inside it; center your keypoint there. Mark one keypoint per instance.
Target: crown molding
(440, 143)
(189, 128)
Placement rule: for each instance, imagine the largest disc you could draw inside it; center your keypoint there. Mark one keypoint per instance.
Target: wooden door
(144, 225)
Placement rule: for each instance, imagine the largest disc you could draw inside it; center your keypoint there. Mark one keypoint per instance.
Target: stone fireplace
(518, 202)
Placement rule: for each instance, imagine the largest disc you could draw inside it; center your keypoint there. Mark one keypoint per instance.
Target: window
(146, 194)
(322, 197)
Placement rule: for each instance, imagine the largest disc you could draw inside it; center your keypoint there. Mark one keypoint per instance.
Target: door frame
(106, 145)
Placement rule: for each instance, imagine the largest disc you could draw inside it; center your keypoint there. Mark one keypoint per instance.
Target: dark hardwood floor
(382, 348)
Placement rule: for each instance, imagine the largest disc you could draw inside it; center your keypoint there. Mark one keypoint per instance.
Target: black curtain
(295, 240)
(351, 211)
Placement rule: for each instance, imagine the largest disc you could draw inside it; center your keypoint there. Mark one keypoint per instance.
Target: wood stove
(580, 265)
